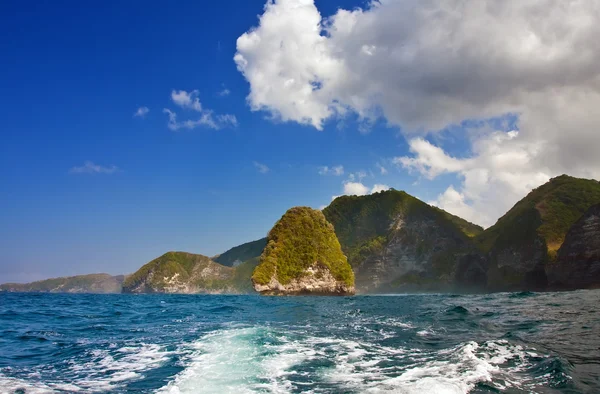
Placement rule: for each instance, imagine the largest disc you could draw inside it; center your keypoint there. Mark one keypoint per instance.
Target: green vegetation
(93, 283)
(301, 238)
(241, 253)
(186, 268)
(469, 229)
(548, 212)
(242, 281)
(363, 224)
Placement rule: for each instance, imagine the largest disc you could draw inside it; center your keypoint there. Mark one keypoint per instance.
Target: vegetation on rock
(180, 272)
(548, 212)
(364, 224)
(301, 238)
(241, 253)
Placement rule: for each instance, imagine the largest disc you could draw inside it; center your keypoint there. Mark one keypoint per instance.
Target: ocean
(495, 343)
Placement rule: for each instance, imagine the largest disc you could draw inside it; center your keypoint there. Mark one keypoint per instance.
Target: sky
(130, 129)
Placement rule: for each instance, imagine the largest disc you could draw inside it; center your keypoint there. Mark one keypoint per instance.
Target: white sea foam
(238, 361)
(109, 369)
(451, 371)
(103, 371)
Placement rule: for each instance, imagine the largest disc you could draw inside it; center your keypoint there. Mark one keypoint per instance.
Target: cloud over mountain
(425, 65)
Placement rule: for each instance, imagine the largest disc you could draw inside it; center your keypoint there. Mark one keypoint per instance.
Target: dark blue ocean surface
(514, 343)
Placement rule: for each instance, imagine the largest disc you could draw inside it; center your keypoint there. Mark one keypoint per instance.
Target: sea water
(507, 342)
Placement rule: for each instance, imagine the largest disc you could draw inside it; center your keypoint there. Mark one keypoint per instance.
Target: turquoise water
(516, 343)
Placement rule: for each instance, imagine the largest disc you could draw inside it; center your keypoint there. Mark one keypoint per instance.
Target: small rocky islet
(387, 242)
(303, 256)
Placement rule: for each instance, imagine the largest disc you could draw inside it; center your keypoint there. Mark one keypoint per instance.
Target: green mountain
(93, 283)
(180, 272)
(303, 256)
(239, 254)
(527, 238)
(577, 265)
(388, 242)
(396, 242)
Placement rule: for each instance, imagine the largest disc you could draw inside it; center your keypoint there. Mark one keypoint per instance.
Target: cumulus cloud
(187, 99)
(141, 112)
(379, 188)
(425, 65)
(90, 168)
(355, 189)
(360, 189)
(336, 170)
(225, 92)
(262, 168)
(501, 170)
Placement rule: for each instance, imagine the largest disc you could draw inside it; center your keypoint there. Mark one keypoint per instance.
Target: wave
(251, 360)
(105, 370)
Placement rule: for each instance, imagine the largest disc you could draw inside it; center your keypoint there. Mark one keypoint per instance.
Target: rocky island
(389, 242)
(183, 273)
(303, 256)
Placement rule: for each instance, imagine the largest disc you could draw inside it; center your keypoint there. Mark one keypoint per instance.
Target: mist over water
(508, 342)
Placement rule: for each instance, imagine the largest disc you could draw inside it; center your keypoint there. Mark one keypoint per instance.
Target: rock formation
(578, 262)
(396, 243)
(183, 273)
(303, 256)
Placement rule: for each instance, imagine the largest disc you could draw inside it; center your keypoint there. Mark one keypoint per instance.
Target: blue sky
(72, 79)
(469, 121)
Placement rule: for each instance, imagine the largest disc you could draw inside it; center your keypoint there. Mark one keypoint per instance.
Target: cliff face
(396, 242)
(524, 243)
(315, 280)
(578, 262)
(93, 283)
(183, 273)
(303, 256)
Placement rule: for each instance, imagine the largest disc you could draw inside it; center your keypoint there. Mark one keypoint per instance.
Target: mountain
(180, 272)
(577, 264)
(525, 242)
(395, 242)
(239, 254)
(93, 283)
(303, 256)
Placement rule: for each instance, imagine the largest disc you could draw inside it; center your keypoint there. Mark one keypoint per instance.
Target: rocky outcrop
(315, 280)
(181, 273)
(523, 245)
(397, 243)
(303, 256)
(578, 262)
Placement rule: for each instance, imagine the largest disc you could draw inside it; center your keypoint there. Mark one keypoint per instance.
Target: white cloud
(141, 112)
(90, 168)
(355, 189)
(336, 170)
(382, 169)
(379, 188)
(225, 92)
(502, 170)
(424, 65)
(262, 168)
(359, 189)
(357, 176)
(190, 101)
